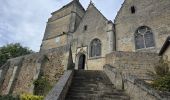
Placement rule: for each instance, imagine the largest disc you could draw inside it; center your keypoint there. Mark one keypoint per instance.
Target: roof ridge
(124, 2)
(73, 1)
(91, 3)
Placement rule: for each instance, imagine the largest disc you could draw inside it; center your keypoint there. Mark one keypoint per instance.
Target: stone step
(79, 90)
(93, 88)
(91, 82)
(121, 97)
(87, 71)
(87, 81)
(83, 88)
(105, 93)
(87, 78)
(95, 97)
(88, 74)
(83, 93)
(92, 79)
(93, 85)
(84, 85)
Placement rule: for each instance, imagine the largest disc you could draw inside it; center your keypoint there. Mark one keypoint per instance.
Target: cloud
(24, 21)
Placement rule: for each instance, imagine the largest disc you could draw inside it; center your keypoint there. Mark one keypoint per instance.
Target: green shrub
(30, 97)
(9, 97)
(42, 86)
(161, 76)
(162, 83)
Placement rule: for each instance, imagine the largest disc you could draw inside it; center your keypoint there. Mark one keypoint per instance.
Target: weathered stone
(154, 14)
(61, 23)
(134, 63)
(93, 85)
(136, 88)
(60, 89)
(20, 80)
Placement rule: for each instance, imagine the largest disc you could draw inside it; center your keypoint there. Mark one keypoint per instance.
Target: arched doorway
(82, 59)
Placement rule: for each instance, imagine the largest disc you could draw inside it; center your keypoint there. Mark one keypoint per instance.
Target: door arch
(82, 60)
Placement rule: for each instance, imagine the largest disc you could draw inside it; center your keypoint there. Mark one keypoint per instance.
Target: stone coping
(141, 84)
(59, 91)
(146, 87)
(64, 48)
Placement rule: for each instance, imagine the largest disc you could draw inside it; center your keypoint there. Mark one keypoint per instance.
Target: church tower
(61, 24)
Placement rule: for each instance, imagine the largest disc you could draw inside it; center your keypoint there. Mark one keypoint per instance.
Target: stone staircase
(93, 85)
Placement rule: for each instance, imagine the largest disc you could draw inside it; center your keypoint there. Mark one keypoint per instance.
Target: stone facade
(21, 72)
(66, 27)
(74, 26)
(98, 27)
(152, 13)
(133, 63)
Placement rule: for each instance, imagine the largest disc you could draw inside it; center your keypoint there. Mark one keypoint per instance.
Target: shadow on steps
(93, 85)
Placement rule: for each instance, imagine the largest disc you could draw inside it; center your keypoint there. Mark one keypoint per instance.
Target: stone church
(84, 40)
(140, 26)
(90, 35)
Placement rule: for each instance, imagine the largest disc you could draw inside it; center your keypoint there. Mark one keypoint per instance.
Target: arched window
(95, 48)
(144, 38)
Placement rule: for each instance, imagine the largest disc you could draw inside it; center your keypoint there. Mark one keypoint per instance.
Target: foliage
(11, 51)
(30, 97)
(162, 83)
(21, 97)
(9, 97)
(161, 76)
(42, 85)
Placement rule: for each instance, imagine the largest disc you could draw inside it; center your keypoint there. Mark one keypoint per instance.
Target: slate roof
(165, 46)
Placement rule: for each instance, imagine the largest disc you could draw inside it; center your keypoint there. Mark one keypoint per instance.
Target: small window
(133, 10)
(85, 27)
(57, 40)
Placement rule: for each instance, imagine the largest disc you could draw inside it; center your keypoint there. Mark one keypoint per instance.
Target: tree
(11, 51)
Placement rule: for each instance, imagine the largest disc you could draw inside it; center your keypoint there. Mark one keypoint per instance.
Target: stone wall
(95, 64)
(152, 13)
(21, 72)
(134, 63)
(60, 90)
(52, 66)
(9, 73)
(53, 43)
(136, 88)
(27, 75)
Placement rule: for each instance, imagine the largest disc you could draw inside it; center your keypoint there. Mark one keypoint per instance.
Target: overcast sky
(24, 21)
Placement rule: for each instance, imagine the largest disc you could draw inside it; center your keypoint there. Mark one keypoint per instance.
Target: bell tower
(62, 23)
